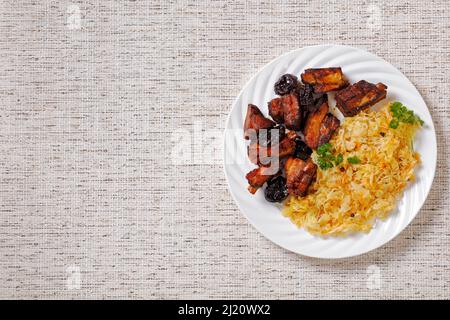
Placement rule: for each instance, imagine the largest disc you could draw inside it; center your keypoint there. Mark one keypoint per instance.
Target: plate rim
(254, 225)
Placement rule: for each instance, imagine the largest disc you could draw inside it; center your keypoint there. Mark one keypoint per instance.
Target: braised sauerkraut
(349, 197)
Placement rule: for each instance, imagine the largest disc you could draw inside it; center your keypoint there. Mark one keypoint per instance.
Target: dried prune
(302, 151)
(309, 100)
(306, 96)
(276, 190)
(286, 84)
(319, 99)
(271, 136)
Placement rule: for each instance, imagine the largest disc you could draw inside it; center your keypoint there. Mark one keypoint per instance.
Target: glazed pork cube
(287, 110)
(359, 96)
(299, 175)
(325, 79)
(320, 126)
(254, 121)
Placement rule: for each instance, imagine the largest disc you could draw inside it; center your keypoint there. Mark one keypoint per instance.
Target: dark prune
(286, 84)
(276, 190)
(302, 151)
(306, 96)
(271, 136)
(319, 99)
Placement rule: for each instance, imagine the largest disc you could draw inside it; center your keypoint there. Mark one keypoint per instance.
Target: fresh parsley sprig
(401, 114)
(326, 159)
(353, 160)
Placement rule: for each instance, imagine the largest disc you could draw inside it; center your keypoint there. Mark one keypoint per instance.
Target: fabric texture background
(92, 204)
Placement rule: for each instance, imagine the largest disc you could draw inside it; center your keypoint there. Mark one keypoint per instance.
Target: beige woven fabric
(91, 203)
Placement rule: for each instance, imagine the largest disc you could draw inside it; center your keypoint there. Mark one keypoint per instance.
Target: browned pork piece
(287, 110)
(359, 96)
(257, 177)
(299, 175)
(261, 155)
(319, 127)
(325, 79)
(276, 110)
(255, 120)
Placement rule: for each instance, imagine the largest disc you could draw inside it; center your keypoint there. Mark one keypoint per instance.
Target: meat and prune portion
(359, 96)
(319, 127)
(299, 174)
(286, 84)
(254, 121)
(284, 158)
(276, 190)
(324, 79)
(302, 151)
(287, 110)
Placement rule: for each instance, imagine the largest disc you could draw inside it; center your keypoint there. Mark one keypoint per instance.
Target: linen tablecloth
(95, 95)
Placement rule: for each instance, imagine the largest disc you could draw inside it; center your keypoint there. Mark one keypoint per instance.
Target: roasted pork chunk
(254, 121)
(257, 177)
(299, 175)
(287, 110)
(292, 112)
(276, 110)
(319, 127)
(328, 127)
(325, 79)
(359, 96)
(265, 155)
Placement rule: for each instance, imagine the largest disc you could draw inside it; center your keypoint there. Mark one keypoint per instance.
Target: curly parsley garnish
(353, 160)
(326, 159)
(401, 113)
(339, 159)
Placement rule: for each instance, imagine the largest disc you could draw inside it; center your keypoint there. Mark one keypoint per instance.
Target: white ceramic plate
(266, 217)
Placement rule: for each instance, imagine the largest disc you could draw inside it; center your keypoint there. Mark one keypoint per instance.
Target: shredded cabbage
(348, 198)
